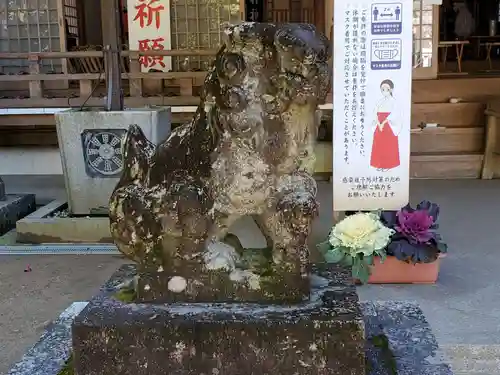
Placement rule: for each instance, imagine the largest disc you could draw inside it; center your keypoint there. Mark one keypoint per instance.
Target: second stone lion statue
(248, 151)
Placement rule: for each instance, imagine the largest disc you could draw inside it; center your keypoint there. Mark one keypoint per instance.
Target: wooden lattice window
(71, 17)
(29, 26)
(197, 24)
(425, 39)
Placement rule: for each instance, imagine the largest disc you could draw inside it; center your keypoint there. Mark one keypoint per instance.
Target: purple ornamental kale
(416, 225)
(416, 239)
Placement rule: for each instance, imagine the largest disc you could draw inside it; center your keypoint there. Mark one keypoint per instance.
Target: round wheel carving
(104, 153)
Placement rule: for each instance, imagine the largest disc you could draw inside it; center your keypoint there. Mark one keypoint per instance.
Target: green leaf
(334, 256)
(368, 259)
(360, 270)
(382, 255)
(324, 247)
(442, 247)
(347, 261)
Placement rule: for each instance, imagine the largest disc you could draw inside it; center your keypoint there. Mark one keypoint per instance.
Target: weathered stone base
(400, 341)
(14, 208)
(216, 286)
(402, 324)
(327, 332)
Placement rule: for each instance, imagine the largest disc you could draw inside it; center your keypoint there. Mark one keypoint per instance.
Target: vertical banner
(372, 104)
(254, 10)
(149, 29)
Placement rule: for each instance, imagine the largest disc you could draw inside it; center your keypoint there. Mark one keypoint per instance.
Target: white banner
(149, 29)
(372, 104)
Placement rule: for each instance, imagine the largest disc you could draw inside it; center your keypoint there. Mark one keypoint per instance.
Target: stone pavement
(473, 359)
(30, 300)
(463, 308)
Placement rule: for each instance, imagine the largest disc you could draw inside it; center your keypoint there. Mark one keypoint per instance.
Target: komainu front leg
(289, 220)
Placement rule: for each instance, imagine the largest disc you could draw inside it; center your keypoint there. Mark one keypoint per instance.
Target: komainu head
(264, 72)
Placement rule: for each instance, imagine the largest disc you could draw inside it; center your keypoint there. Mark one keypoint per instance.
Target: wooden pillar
(242, 11)
(111, 35)
(35, 87)
(82, 31)
(61, 85)
(319, 19)
(329, 18)
(337, 215)
(491, 161)
(135, 84)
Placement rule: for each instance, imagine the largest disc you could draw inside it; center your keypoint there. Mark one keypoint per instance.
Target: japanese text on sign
(370, 186)
(254, 10)
(355, 60)
(149, 30)
(372, 104)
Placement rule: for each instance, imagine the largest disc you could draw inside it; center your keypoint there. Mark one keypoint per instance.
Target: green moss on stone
(259, 261)
(382, 342)
(126, 295)
(68, 368)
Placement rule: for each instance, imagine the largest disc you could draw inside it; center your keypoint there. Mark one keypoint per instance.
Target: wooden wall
(40, 130)
(454, 150)
(469, 89)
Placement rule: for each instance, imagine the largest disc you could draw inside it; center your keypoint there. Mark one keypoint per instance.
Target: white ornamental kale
(361, 233)
(354, 242)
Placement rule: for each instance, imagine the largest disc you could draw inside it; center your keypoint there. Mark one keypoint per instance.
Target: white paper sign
(149, 29)
(372, 104)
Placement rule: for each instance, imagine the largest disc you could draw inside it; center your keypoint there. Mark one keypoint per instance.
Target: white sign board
(372, 104)
(149, 29)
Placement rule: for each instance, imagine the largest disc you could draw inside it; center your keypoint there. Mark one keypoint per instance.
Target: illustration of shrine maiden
(387, 125)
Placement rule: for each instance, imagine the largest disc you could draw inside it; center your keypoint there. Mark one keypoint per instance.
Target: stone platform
(111, 336)
(399, 342)
(52, 224)
(13, 208)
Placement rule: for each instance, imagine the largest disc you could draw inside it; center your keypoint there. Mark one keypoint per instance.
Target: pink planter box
(393, 271)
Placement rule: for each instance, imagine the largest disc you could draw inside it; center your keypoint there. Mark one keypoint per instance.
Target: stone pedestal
(90, 143)
(323, 335)
(14, 207)
(155, 287)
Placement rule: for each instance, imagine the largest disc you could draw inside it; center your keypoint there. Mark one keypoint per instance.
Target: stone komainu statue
(249, 150)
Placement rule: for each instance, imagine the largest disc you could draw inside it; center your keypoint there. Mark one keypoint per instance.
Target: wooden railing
(37, 89)
(280, 15)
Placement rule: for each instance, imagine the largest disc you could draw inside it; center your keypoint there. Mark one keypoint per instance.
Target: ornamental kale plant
(415, 239)
(355, 241)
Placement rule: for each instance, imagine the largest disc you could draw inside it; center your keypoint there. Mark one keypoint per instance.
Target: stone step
(472, 359)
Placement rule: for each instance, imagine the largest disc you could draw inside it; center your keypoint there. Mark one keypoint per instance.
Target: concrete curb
(50, 353)
(39, 227)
